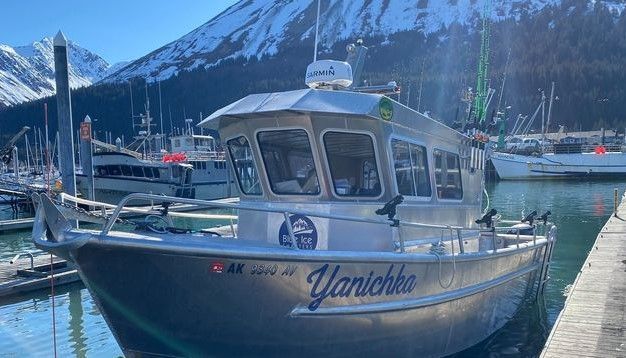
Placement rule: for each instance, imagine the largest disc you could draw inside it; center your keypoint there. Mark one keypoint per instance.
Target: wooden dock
(16, 224)
(18, 278)
(592, 323)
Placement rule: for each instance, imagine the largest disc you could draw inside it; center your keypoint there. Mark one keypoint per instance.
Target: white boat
(359, 233)
(563, 161)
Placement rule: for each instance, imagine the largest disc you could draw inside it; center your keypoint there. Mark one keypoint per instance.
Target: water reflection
(77, 334)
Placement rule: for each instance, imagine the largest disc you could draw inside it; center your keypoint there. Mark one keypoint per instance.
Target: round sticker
(303, 229)
(385, 108)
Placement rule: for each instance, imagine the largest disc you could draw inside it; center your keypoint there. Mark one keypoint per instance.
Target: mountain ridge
(27, 72)
(270, 26)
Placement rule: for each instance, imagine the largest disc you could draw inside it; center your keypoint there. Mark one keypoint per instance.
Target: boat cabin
(346, 153)
(190, 143)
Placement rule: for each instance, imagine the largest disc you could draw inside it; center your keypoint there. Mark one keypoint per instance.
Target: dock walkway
(592, 323)
(17, 277)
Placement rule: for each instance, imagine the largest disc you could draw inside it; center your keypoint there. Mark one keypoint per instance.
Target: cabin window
(243, 164)
(114, 170)
(352, 164)
(126, 171)
(101, 170)
(137, 171)
(149, 172)
(448, 175)
(411, 167)
(289, 162)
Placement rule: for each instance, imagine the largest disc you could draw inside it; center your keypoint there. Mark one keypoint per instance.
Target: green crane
(480, 100)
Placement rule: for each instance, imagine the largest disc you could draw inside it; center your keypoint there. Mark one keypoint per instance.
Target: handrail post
(461, 245)
(534, 235)
(493, 239)
(294, 244)
(615, 202)
(517, 238)
(396, 227)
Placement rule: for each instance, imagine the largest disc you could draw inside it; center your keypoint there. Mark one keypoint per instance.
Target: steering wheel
(156, 223)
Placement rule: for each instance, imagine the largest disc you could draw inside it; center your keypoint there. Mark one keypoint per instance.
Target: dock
(592, 322)
(16, 224)
(20, 277)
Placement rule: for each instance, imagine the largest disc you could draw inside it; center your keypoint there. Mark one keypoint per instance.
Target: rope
(54, 326)
(453, 261)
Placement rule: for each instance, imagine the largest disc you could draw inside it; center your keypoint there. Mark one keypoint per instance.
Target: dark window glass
(101, 170)
(149, 172)
(352, 164)
(244, 166)
(157, 173)
(448, 175)
(419, 163)
(126, 171)
(137, 171)
(402, 166)
(114, 170)
(289, 162)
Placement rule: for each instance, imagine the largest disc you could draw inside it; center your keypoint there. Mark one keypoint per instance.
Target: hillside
(581, 45)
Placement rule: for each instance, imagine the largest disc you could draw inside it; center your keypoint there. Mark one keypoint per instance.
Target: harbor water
(579, 209)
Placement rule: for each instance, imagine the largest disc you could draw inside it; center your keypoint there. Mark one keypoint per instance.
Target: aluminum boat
(359, 232)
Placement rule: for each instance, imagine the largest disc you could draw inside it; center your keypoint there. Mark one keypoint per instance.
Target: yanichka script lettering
(331, 284)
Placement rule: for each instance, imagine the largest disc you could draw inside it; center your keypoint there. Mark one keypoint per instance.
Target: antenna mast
(317, 25)
(480, 102)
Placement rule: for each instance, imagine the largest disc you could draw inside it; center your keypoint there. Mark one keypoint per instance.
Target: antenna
(160, 108)
(419, 98)
(317, 25)
(132, 107)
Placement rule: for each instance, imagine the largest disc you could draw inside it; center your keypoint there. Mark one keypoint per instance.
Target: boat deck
(592, 323)
(12, 283)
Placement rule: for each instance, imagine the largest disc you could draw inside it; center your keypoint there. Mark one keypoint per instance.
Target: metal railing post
(461, 244)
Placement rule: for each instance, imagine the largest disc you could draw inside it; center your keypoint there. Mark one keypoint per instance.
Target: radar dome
(328, 73)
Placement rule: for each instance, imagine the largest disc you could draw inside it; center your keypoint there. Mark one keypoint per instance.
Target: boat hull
(559, 166)
(214, 302)
(113, 189)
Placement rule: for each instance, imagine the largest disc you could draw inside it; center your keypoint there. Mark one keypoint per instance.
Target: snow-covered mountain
(262, 27)
(27, 72)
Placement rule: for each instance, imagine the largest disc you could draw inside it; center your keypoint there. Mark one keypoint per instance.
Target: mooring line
(54, 327)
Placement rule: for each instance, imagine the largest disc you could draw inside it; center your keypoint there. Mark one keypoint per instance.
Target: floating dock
(592, 323)
(16, 224)
(22, 275)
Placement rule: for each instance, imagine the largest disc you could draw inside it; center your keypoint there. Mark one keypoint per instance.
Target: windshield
(289, 162)
(245, 169)
(352, 164)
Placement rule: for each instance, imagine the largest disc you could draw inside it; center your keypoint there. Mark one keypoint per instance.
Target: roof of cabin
(303, 101)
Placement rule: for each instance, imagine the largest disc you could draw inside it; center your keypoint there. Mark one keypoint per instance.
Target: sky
(117, 30)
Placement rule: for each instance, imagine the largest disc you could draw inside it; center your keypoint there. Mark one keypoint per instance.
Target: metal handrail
(286, 211)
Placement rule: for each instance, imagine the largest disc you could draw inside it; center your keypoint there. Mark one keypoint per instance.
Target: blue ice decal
(327, 282)
(303, 229)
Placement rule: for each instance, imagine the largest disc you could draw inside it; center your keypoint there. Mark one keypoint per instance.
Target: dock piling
(64, 114)
(86, 156)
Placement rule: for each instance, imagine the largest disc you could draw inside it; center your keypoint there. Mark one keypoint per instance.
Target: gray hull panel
(182, 305)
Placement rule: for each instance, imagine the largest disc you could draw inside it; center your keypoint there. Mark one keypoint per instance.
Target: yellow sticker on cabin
(385, 108)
